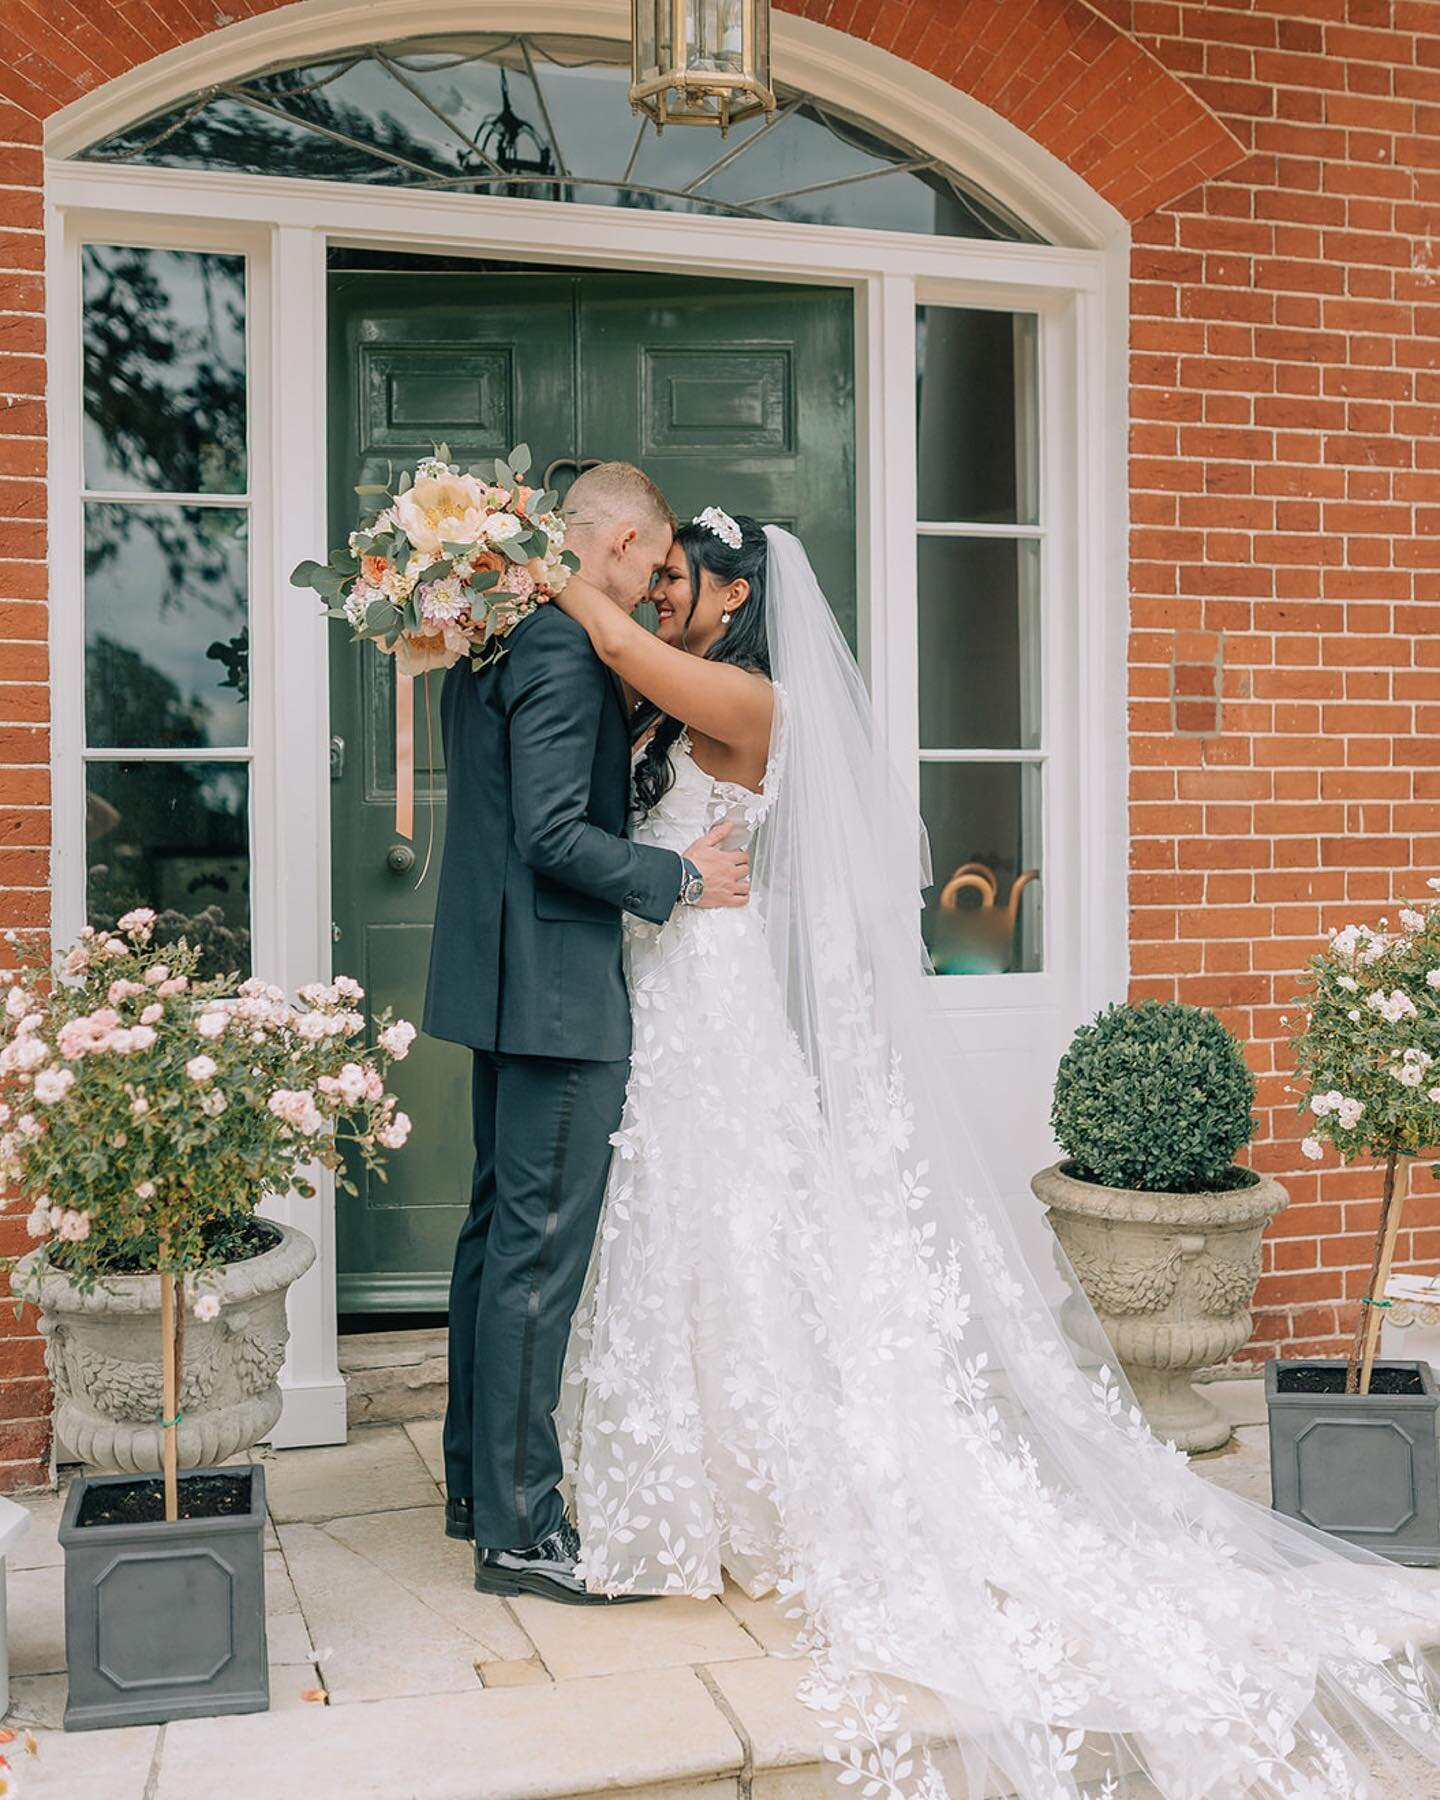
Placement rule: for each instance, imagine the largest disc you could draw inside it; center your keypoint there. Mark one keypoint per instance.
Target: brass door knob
(400, 858)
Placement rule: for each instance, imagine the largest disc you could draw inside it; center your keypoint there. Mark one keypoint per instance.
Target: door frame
(285, 226)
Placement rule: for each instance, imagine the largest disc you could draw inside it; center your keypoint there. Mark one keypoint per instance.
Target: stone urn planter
(1171, 1277)
(103, 1356)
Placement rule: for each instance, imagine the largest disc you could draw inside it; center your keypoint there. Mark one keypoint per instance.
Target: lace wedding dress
(813, 1352)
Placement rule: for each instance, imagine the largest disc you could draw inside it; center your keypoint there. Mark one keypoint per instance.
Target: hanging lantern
(701, 62)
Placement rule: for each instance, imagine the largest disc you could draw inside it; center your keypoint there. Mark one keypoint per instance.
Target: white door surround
(1008, 1027)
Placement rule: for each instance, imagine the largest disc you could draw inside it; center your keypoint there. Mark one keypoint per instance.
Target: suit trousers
(542, 1154)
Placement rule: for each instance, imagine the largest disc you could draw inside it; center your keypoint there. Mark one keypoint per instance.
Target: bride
(813, 1352)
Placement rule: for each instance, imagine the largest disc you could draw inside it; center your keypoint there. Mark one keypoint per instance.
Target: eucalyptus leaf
(308, 574)
(571, 561)
(378, 614)
(520, 459)
(504, 474)
(371, 487)
(483, 579)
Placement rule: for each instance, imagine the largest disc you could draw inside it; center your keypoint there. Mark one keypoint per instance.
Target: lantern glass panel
(714, 36)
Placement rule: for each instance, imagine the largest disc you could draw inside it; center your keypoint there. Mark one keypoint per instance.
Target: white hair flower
(721, 524)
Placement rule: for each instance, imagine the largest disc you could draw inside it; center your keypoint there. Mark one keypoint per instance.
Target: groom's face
(637, 552)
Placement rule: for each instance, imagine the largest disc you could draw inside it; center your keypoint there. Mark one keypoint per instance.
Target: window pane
(975, 415)
(979, 643)
(982, 916)
(164, 370)
(166, 638)
(437, 103)
(175, 836)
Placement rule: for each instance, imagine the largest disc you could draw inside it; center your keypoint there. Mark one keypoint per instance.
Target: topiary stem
(1367, 1331)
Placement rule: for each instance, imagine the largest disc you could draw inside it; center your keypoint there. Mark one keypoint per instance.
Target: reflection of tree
(165, 379)
(173, 836)
(130, 702)
(233, 655)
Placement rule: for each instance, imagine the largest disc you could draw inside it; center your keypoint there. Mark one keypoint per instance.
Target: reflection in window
(979, 643)
(174, 836)
(976, 439)
(982, 917)
(166, 640)
(164, 370)
(549, 118)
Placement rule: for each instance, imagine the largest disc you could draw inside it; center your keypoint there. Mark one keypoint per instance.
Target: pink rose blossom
(393, 1135)
(207, 1307)
(152, 1013)
(396, 1039)
(201, 1068)
(177, 984)
(74, 1227)
(51, 1085)
(212, 1024)
(160, 972)
(145, 1190)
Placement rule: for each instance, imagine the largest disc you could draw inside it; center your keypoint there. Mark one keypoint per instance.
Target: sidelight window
(166, 514)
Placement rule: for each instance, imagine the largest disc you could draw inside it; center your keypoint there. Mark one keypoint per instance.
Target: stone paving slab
(93, 1765)
(576, 1641)
(36, 1616)
(646, 1731)
(411, 1549)
(377, 1471)
(425, 1435)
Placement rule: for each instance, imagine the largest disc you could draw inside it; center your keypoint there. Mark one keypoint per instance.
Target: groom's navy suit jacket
(525, 958)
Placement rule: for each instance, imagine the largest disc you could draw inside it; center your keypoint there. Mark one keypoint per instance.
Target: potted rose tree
(1354, 1441)
(144, 1113)
(1152, 1104)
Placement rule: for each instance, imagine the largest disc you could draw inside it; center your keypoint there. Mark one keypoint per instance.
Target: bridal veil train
(915, 1430)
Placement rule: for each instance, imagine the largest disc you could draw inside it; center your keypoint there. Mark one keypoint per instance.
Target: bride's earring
(725, 618)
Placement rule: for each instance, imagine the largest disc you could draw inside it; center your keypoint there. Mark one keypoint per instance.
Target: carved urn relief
(103, 1357)
(1171, 1277)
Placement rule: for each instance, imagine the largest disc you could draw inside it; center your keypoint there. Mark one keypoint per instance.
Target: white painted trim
(846, 71)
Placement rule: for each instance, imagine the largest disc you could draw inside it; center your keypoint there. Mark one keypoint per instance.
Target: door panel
(732, 394)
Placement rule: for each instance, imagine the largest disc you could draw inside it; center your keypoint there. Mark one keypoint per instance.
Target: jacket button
(632, 900)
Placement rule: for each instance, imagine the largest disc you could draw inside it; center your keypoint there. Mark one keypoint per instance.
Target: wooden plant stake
(1367, 1332)
(169, 1383)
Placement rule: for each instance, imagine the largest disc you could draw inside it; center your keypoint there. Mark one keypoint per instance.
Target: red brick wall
(1285, 659)
(1282, 169)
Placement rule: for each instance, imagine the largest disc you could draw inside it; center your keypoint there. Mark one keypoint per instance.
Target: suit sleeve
(556, 691)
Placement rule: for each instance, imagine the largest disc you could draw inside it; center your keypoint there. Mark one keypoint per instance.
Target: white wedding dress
(799, 1361)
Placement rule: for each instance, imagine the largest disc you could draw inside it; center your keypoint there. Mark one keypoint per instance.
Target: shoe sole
(455, 1530)
(507, 1585)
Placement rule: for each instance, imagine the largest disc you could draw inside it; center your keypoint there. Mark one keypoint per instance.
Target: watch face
(692, 890)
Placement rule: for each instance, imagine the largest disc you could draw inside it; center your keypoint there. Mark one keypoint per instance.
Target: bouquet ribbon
(404, 751)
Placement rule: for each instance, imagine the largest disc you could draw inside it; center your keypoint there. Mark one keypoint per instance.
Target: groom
(525, 968)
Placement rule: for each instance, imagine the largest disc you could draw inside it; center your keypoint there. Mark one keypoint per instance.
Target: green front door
(734, 394)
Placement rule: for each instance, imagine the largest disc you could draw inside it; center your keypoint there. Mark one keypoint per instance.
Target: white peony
(440, 509)
(500, 527)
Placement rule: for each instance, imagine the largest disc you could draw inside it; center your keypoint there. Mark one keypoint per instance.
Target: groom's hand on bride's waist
(724, 873)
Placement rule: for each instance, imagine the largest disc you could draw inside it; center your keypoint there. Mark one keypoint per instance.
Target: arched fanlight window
(548, 118)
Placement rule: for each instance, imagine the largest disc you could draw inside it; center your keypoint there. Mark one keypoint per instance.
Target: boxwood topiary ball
(1154, 1096)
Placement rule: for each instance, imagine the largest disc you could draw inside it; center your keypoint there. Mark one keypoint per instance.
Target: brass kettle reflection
(977, 940)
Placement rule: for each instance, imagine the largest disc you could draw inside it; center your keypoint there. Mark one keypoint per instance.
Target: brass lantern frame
(673, 89)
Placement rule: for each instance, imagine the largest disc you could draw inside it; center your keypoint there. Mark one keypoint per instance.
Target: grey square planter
(1364, 1467)
(164, 1621)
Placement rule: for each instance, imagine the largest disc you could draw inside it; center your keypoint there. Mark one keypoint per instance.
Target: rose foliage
(142, 1110)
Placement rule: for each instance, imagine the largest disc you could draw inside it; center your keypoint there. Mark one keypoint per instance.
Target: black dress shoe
(546, 1568)
(460, 1519)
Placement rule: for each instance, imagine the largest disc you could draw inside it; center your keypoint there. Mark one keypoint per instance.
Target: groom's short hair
(618, 493)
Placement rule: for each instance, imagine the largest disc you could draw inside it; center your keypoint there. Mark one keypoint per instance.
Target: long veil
(991, 1520)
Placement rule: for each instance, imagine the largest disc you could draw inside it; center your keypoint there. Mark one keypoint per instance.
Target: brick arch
(1067, 77)
(1057, 70)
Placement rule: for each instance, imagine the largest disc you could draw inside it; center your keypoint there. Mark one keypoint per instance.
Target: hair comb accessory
(723, 526)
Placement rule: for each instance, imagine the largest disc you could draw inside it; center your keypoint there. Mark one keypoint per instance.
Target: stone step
(392, 1376)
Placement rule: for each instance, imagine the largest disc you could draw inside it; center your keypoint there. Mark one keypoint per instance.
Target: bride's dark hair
(744, 641)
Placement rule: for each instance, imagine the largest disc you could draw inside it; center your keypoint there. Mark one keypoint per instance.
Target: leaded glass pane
(174, 836)
(167, 662)
(164, 370)
(548, 118)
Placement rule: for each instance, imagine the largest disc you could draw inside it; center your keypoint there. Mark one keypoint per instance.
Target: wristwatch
(692, 886)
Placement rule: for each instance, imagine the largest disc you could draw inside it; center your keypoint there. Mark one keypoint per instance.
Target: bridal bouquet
(449, 565)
